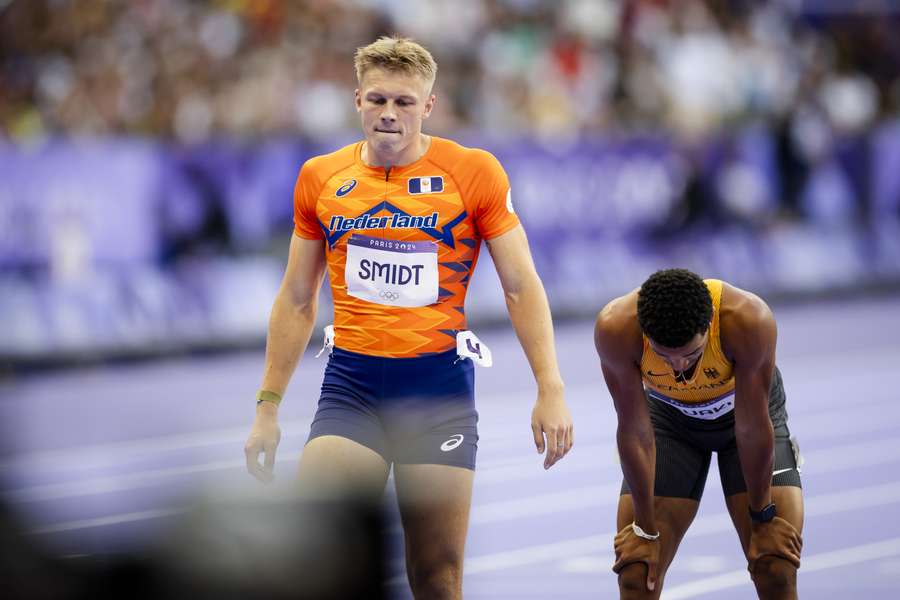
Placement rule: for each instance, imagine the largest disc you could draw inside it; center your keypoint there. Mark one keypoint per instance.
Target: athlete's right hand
(264, 437)
(551, 418)
(632, 549)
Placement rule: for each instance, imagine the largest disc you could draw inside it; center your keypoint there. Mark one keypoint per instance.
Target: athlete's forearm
(529, 312)
(756, 450)
(637, 451)
(290, 327)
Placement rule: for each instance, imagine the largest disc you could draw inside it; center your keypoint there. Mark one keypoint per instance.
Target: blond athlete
(398, 220)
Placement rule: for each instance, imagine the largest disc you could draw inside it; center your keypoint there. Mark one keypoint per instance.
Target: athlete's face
(683, 358)
(392, 107)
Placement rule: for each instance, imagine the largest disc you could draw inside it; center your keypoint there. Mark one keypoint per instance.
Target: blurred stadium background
(148, 151)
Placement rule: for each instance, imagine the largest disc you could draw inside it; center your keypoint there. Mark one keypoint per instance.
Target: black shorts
(684, 447)
(409, 410)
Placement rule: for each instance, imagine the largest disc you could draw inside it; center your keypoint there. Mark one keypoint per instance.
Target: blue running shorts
(409, 410)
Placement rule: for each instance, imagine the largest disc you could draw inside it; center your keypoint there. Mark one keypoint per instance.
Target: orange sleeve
(306, 195)
(491, 198)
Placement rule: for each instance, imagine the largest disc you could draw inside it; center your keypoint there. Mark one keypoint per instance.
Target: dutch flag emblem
(426, 185)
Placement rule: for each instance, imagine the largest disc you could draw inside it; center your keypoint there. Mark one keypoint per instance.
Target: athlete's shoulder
(457, 159)
(744, 306)
(323, 166)
(744, 317)
(616, 330)
(618, 311)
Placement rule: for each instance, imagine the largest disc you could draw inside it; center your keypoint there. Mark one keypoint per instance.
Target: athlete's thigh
(434, 507)
(332, 466)
(788, 501)
(786, 485)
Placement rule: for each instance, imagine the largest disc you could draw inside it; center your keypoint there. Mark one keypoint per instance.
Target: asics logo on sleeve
(345, 188)
(453, 442)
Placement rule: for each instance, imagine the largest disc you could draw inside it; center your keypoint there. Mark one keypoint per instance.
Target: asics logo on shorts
(389, 295)
(453, 442)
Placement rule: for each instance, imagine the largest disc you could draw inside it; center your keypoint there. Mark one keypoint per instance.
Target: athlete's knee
(774, 577)
(437, 575)
(633, 582)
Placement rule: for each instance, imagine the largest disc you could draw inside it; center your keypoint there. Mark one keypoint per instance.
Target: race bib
(469, 346)
(327, 341)
(392, 272)
(709, 410)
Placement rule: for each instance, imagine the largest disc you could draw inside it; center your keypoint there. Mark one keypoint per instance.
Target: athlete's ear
(357, 99)
(429, 106)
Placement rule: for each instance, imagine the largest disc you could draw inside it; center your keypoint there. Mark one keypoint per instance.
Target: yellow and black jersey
(709, 392)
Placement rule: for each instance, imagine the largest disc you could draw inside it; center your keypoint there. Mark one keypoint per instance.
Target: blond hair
(396, 54)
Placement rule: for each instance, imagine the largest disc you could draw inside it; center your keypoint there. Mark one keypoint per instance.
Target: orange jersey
(401, 245)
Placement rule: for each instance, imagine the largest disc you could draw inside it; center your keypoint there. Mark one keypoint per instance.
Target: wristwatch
(763, 516)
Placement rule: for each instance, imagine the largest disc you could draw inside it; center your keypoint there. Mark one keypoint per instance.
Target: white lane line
(109, 520)
(121, 483)
(522, 467)
(836, 458)
(110, 454)
(532, 506)
(815, 506)
(105, 485)
(600, 563)
(834, 424)
(114, 453)
(592, 459)
(530, 555)
(822, 426)
(825, 461)
(818, 562)
(595, 458)
(508, 510)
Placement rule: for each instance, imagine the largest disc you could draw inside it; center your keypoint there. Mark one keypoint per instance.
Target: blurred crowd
(192, 70)
(148, 148)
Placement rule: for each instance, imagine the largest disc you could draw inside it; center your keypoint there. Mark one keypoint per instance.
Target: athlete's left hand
(775, 538)
(551, 418)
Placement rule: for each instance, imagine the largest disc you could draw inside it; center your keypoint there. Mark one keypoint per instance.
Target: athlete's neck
(687, 376)
(407, 156)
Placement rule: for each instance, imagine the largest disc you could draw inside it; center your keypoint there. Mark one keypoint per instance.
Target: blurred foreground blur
(219, 548)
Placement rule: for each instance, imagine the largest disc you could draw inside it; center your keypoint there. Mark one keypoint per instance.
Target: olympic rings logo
(389, 295)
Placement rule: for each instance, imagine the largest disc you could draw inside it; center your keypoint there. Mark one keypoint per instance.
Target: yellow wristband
(267, 396)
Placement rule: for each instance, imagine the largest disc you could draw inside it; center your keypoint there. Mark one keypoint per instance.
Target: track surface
(101, 460)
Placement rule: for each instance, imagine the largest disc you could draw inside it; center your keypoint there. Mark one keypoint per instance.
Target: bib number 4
(469, 346)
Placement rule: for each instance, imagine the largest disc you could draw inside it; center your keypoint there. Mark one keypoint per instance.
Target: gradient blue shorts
(409, 410)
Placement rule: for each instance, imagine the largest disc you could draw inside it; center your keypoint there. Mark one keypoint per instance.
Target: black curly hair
(673, 306)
